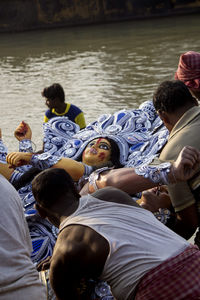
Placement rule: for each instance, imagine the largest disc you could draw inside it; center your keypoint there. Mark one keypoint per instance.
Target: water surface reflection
(102, 68)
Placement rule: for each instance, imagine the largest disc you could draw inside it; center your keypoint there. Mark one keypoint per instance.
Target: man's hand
(17, 159)
(23, 131)
(186, 165)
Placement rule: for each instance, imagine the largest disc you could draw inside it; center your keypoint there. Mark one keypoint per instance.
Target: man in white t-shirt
(108, 236)
(18, 276)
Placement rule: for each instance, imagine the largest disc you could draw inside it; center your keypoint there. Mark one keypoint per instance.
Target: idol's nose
(93, 150)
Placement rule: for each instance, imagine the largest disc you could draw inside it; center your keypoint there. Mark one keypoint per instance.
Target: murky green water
(102, 68)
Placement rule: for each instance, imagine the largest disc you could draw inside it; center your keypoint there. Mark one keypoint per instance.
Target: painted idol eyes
(97, 152)
(102, 145)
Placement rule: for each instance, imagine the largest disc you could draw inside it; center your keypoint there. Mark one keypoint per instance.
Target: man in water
(55, 100)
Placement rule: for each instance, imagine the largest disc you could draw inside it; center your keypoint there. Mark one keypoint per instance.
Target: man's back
(133, 235)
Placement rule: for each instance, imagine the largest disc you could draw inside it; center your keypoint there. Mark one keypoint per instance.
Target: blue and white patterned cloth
(140, 136)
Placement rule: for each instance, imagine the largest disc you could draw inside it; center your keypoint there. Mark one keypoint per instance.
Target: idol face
(97, 152)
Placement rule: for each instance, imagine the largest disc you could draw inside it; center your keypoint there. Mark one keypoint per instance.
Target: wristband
(44, 161)
(26, 145)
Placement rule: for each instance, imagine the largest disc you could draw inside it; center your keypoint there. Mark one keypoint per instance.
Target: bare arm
(186, 222)
(79, 253)
(23, 131)
(6, 170)
(73, 167)
(126, 179)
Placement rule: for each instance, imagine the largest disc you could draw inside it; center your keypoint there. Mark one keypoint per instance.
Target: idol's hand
(186, 165)
(23, 131)
(16, 159)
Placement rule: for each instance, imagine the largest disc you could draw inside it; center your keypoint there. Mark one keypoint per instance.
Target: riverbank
(18, 15)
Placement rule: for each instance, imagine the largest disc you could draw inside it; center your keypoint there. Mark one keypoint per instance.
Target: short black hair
(52, 184)
(54, 91)
(172, 95)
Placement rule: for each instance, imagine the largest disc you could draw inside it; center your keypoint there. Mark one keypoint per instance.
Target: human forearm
(127, 180)
(142, 178)
(45, 160)
(186, 222)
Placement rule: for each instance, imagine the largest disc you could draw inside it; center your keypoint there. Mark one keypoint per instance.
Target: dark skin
(80, 252)
(59, 106)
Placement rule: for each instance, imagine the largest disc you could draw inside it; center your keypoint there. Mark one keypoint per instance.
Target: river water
(103, 68)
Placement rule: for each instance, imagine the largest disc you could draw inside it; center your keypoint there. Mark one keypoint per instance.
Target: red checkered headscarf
(189, 69)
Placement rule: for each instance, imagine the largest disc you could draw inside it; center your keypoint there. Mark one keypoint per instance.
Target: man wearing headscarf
(188, 71)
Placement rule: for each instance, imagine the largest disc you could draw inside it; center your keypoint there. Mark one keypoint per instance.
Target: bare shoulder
(79, 253)
(79, 245)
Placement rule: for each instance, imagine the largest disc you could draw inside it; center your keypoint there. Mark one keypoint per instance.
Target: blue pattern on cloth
(26, 145)
(157, 174)
(3, 152)
(139, 134)
(43, 235)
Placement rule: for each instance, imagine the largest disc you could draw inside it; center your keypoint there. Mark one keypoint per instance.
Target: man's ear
(41, 211)
(164, 116)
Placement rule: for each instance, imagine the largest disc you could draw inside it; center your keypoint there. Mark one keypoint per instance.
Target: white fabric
(138, 241)
(18, 276)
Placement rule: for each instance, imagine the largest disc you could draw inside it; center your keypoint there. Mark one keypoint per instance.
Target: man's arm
(74, 168)
(79, 253)
(186, 222)
(132, 180)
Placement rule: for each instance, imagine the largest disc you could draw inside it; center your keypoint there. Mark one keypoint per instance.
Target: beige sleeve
(181, 196)
(180, 193)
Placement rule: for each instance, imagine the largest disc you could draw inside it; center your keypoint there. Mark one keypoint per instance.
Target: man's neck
(61, 108)
(67, 211)
(176, 116)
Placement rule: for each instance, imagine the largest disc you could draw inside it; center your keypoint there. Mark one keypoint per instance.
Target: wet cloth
(189, 69)
(177, 278)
